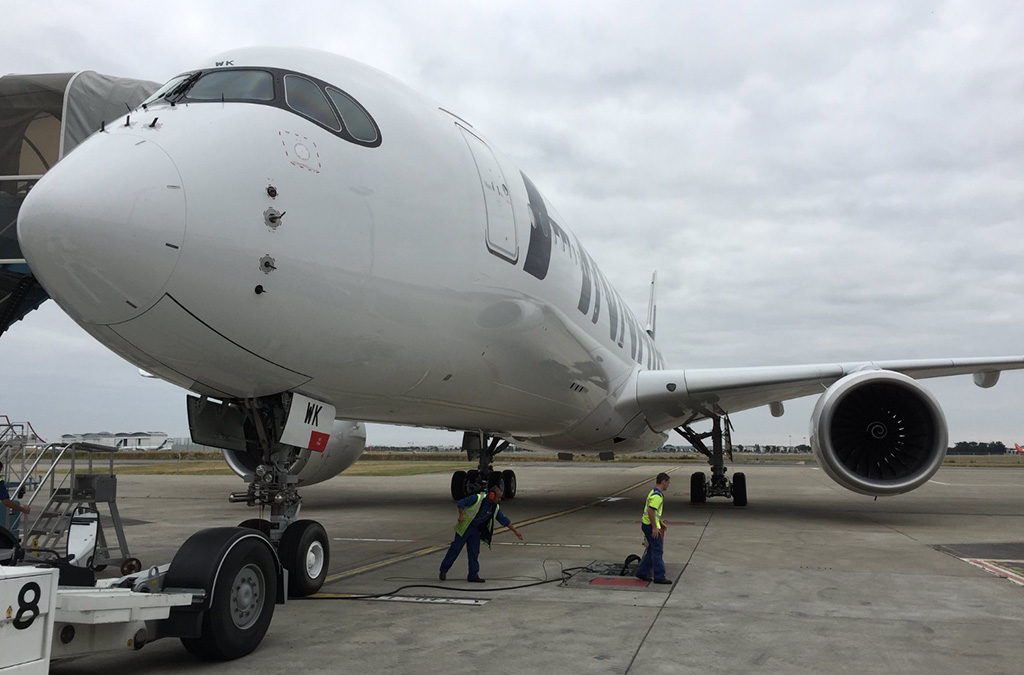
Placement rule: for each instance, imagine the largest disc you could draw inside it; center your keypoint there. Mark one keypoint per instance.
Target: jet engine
(348, 440)
(878, 432)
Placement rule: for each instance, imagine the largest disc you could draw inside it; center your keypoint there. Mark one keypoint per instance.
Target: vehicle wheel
(130, 566)
(241, 605)
(496, 478)
(739, 489)
(261, 524)
(305, 552)
(510, 483)
(458, 485)
(472, 481)
(698, 488)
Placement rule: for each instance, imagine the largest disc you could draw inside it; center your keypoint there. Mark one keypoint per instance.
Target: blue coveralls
(652, 559)
(471, 538)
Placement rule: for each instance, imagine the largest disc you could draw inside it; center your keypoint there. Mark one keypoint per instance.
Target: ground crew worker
(5, 496)
(654, 532)
(477, 514)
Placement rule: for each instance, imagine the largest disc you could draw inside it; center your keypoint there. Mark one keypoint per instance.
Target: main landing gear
(302, 545)
(721, 443)
(483, 448)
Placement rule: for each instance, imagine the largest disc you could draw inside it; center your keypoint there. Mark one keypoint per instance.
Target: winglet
(652, 307)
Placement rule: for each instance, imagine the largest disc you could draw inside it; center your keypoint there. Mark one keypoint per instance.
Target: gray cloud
(813, 183)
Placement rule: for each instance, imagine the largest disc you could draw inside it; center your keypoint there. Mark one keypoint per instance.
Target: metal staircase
(75, 489)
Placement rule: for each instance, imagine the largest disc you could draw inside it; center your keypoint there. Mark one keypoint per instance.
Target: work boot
(476, 580)
(441, 575)
(662, 581)
(641, 577)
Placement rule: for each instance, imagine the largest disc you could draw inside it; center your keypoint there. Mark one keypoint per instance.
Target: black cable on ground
(566, 573)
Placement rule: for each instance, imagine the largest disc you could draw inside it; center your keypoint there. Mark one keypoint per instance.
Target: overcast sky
(812, 183)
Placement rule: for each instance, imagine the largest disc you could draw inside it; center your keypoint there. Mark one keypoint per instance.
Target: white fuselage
(417, 282)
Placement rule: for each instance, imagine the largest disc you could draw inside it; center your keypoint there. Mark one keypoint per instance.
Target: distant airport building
(138, 440)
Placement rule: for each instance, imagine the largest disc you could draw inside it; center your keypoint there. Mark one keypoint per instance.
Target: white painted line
(393, 541)
(534, 543)
(939, 482)
(613, 499)
(431, 600)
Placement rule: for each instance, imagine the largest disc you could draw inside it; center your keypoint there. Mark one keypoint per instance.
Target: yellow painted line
(419, 553)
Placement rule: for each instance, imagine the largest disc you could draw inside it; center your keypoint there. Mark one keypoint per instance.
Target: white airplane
(301, 240)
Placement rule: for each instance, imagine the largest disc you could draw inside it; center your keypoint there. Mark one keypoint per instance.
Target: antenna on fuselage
(652, 307)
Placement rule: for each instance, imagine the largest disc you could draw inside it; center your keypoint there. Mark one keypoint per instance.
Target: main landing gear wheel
(739, 489)
(305, 553)
(509, 477)
(698, 488)
(458, 485)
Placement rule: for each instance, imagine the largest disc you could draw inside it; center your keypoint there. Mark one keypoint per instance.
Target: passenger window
(246, 85)
(356, 121)
(306, 98)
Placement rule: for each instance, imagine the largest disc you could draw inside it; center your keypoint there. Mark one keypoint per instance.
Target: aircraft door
(501, 224)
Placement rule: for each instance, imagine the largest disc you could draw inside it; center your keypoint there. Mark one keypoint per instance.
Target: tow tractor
(217, 595)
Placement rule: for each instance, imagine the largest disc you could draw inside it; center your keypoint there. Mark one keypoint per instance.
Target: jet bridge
(42, 118)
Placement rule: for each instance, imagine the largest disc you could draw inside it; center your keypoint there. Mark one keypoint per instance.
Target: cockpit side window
(235, 85)
(305, 97)
(167, 88)
(356, 121)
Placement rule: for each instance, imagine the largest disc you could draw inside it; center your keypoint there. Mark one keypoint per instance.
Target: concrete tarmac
(808, 578)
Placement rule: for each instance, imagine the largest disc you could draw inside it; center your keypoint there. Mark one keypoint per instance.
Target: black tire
(130, 566)
(458, 485)
(698, 488)
(510, 483)
(241, 606)
(495, 479)
(472, 481)
(305, 552)
(261, 524)
(739, 489)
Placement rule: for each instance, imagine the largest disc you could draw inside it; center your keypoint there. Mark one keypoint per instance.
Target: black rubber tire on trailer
(458, 485)
(305, 552)
(241, 606)
(510, 483)
(261, 524)
(739, 489)
(698, 488)
(130, 566)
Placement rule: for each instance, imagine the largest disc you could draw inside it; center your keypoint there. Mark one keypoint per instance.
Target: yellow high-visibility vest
(655, 500)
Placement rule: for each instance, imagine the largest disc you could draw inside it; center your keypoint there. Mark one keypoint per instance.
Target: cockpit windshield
(315, 100)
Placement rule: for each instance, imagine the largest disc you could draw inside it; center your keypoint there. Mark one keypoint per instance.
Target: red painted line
(618, 581)
(995, 569)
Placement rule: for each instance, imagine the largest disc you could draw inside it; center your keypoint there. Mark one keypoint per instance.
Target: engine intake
(878, 432)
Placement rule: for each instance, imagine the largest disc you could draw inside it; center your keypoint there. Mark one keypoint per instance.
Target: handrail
(48, 472)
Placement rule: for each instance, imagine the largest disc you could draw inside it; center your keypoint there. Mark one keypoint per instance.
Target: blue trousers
(471, 540)
(652, 559)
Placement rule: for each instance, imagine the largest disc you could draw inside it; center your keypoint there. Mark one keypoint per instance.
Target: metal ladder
(71, 492)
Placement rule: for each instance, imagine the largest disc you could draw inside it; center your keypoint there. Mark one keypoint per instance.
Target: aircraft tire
(739, 489)
(510, 483)
(698, 488)
(458, 485)
(305, 552)
(242, 604)
(261, 524)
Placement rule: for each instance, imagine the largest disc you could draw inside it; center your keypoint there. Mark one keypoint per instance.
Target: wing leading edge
(668, 398)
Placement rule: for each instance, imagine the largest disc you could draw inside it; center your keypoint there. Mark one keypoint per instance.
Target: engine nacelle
(878, 432)
(348, 440)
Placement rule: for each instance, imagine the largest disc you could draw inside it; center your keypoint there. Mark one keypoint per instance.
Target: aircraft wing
(669, 398)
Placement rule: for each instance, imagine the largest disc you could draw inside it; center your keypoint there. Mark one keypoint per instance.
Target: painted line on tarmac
(403, 541)
(419, 553)
(423, 599)
(533, 543)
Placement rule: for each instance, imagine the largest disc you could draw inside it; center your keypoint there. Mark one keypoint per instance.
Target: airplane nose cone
(102, 230)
